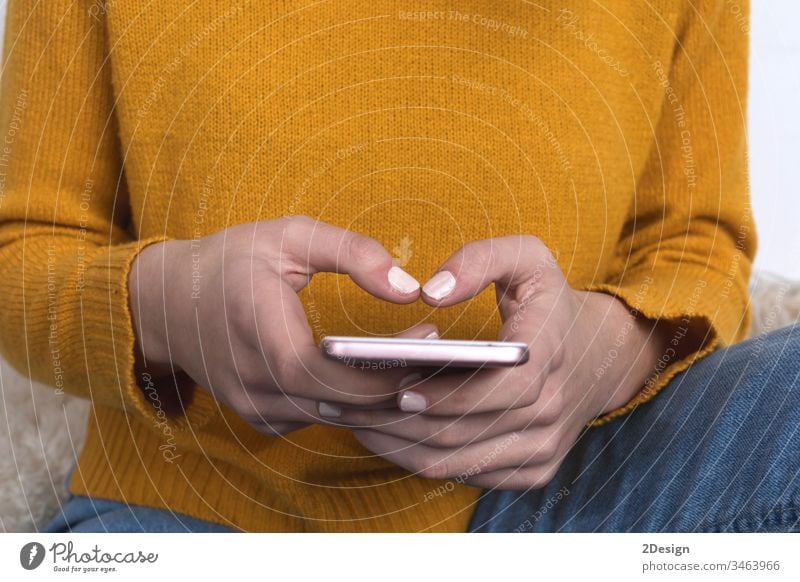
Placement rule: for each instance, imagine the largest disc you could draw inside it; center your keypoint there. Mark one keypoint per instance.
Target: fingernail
(409, 379)
(440, 285)
(412, 402)
(329, 410)
(432, 335)
(401, 281)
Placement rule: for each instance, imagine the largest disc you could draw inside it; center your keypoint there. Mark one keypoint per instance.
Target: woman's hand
(225, 311)
(510, 428)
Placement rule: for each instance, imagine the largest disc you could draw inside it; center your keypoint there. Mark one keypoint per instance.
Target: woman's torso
(425, 131)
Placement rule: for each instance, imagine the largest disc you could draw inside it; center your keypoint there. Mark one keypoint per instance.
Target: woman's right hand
(225, 311)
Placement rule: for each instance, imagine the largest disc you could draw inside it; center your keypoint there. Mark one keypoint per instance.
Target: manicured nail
(401, 281)
(440, 285)
(412, 402)
(329, 410)
(409, 379)
(432, 335)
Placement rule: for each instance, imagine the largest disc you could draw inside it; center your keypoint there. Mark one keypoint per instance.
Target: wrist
(150, 305)
(630, 350)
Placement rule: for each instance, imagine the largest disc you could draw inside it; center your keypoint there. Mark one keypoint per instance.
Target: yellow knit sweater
(614, 133)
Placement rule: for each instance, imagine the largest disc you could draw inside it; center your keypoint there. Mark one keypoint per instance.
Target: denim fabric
(90, 515)
(718, 450)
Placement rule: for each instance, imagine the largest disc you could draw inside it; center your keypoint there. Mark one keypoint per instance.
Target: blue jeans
(718, 450)
(81, 514)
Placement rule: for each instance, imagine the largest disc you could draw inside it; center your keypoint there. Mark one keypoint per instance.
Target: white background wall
(774, 132)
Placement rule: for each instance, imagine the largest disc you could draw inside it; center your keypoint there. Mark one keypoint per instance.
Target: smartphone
(424, 352)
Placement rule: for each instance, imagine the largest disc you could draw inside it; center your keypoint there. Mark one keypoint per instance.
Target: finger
(323, 247)
(294, 364)
(410, 374)
(314, 376)
(279, 428)
(521, 479)
(419, 331)
(509, 451)
(508, 261)
(267, 407)
(435, 431)
(482, 391)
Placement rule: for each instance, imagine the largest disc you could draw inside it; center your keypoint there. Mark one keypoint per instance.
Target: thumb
(507, 261)
(322, 247)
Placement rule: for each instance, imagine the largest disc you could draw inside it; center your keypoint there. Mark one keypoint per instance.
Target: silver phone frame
(425, 352)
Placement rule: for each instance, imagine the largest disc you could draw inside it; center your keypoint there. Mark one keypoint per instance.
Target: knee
(769, 365)
(779, 348)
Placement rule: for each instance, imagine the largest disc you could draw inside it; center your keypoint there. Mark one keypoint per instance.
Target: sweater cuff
(697, 301)
(108, 344)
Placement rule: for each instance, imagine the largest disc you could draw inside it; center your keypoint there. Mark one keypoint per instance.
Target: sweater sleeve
(65, 252)
(686, 250)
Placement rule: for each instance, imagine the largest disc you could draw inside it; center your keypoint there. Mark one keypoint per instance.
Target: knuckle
(527, 389)
(556, 355)
(430, 466)
(557, 402)
(353, 395)
(286, 371)
(358, 418)
(295, 225)
(534, 246)
(241, 317)
(447, 437)
(347, 397)
(541, 479)
(551, 405)
(237, 307)
(297, 220)
(554, 401)
(532, 243)
(250, 374)
(437, 470)
(476, 254)
(363, 249)
(547, 450)
(547, 415)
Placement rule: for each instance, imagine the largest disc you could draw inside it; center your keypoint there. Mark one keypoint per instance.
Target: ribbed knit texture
(614, 133)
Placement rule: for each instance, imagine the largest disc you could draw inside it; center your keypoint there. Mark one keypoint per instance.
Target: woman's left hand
(510, 428)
